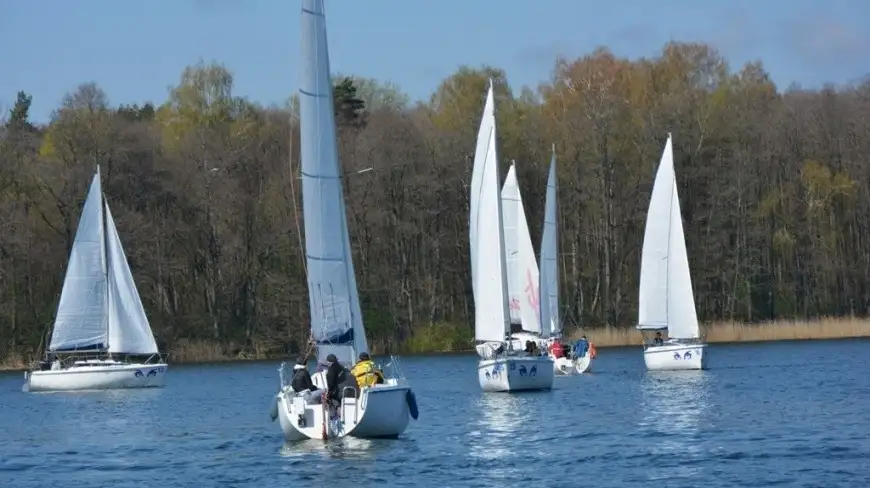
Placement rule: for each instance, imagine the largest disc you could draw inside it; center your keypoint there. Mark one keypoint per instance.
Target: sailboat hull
(671, 357)
(566, 367)
(98, 377)
(515, 373)
(381, 411)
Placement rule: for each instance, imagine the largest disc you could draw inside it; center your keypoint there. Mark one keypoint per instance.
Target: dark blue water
(790, 414)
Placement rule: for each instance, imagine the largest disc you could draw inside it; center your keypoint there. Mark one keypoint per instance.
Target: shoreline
(828, 328)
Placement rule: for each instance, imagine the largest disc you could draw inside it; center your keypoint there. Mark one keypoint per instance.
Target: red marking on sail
(532, 291)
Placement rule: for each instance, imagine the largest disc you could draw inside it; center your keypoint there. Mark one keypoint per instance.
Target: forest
(774, 187)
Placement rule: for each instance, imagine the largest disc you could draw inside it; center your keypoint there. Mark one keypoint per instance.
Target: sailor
(658, 341)
(302, 383)
(556, 349)
(338, 378)
(580, 347)
(365, 372)
(334, 377)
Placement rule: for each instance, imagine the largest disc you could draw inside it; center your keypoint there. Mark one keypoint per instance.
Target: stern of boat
(563, 366)
(515, 373)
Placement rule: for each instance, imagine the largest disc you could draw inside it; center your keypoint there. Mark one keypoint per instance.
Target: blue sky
(136, 49)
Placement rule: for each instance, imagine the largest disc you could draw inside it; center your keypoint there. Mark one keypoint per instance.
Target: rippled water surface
(790, 414)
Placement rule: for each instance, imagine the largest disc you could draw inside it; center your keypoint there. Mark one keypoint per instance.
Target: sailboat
(100, 326)
(666, 301)
(549, 280)
(522, 269)
(501, 367)
(337, 328)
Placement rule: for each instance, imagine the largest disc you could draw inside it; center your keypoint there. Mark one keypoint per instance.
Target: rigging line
(293, 197)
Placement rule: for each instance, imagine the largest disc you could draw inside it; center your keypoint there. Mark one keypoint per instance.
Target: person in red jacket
(556, 349)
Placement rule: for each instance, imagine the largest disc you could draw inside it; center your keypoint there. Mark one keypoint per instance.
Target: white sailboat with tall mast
(500, 367)
(522, 269)
(666, 301)
(381, 410)
(101, 338)
(549, 281)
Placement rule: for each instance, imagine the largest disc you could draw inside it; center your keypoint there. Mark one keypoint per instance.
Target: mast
(105, 247)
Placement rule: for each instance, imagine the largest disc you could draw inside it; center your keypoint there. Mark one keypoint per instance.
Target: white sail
(549, 287)
(336, 318)
(129, 331)
(666, 299)
(80, 323)
(486, 239)
(522, 269)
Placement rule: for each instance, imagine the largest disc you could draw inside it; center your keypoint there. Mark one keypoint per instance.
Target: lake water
(791, 414)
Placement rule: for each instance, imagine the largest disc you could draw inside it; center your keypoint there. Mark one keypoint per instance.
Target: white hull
(515, 373)
(672, 357)
(566, 367)
(98, 377)
(381, 411)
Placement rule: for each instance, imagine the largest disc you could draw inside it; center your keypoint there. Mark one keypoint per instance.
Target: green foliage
(19, 115)
(348, 106)
(441, 337)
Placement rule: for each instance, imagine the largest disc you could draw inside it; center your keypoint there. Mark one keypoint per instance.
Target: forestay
(336, 318)
(522, 270)
(486, 239)
(80, 323)
(549, 284)
(666, 299)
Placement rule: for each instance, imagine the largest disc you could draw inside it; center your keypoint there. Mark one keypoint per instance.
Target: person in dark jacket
(302, 383)
(333, 375)
(337, 378)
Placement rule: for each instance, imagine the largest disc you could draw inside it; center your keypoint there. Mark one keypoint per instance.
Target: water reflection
(502, 417)
(673, 407)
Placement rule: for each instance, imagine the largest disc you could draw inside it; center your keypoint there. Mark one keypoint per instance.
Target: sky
(136, 49)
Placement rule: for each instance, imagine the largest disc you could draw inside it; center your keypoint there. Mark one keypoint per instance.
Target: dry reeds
(14, 361)
(777, 330)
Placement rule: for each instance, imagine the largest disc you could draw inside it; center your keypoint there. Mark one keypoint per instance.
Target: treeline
(204, 187)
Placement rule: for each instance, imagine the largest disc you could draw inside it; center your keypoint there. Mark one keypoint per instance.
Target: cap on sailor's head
(331, 358)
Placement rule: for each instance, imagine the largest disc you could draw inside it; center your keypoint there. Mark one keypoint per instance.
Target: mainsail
(336, 318)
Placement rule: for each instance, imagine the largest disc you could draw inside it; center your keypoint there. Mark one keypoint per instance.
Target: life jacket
(557, 350)
(366, 373)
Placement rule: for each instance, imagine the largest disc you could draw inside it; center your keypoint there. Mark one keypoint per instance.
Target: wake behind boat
(342, 406)
(501, 367)
(666, 301)
(101, 338)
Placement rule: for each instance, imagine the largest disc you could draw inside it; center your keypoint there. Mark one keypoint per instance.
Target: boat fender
(274, 411)
(412, 404)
